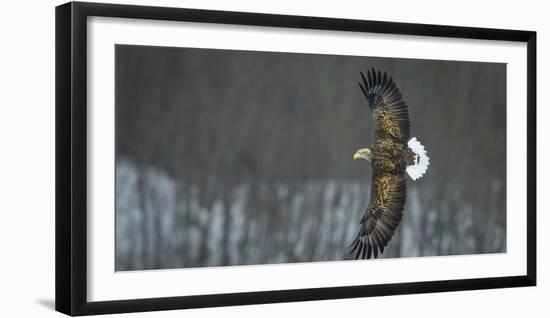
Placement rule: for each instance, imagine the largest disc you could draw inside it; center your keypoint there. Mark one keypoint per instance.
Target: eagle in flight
(393, 156)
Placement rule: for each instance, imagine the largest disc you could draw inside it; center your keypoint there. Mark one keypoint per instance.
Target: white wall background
(27, 158)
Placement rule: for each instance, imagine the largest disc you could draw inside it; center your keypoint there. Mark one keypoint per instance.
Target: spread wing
(382, 215)
(384, 100)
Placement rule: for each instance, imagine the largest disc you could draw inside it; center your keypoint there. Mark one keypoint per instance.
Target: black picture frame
(71, 157)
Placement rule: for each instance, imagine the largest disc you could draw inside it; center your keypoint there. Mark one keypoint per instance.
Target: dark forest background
(236, 157)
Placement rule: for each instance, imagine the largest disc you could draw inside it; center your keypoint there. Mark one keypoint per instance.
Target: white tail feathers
(422, 161)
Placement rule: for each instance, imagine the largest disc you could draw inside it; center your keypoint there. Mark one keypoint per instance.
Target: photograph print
(228, 157)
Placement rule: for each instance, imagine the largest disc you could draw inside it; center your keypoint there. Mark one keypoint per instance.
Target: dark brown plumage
(390, 158)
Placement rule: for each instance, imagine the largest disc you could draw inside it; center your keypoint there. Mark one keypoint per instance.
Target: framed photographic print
(210, 158)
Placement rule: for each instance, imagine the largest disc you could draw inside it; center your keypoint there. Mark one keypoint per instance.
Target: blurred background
(235, 157)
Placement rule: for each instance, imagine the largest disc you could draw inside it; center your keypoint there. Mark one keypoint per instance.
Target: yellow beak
(356, 156)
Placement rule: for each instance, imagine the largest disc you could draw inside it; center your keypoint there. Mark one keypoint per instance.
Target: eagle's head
(363, 153)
